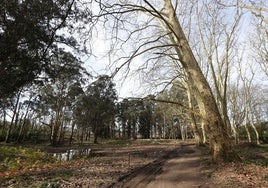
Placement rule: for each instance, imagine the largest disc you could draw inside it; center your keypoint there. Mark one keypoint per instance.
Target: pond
(71, 154)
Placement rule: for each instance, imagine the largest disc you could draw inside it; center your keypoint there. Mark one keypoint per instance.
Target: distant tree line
(63, 111)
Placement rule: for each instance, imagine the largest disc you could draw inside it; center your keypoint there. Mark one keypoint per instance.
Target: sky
(99, 63)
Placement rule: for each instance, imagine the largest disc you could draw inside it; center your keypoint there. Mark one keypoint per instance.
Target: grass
(99, 182)
(127, 142)
(46, 185)
(18, 158)
(253, 154)
(266, 178)
(52, 179)
(115, 142)
(28, 162)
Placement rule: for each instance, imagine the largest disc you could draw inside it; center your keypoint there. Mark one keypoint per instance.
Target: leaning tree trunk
(21, 132)
(250, 120)
(192, 118)
(220, 143)
(7, 139)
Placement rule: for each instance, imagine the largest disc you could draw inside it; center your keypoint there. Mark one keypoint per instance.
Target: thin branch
(167, 102)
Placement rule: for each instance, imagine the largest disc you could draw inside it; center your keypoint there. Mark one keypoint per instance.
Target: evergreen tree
(28, 37)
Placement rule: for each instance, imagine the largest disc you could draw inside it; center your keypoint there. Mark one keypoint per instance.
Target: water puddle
(71, 154)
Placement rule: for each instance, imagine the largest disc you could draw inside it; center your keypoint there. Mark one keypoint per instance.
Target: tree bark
(193, 118)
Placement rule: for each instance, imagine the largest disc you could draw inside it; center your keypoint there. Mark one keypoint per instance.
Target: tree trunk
(21, 132)
(134, 135)
(119, 131)
(235, 132)
(204, 135)
(250, 120)
(4, 122)
(13, 118)
(61, 130)
(256, 132)
(72, 133)
(56, 127)
(246, 126)
(124, 129)
(248, 133)
(220, 143)
(96, 129)
(95, 138)
(192, 117)
(226, 117)
(96, 135)
(164, 126)
(196, 132)
(183, 131)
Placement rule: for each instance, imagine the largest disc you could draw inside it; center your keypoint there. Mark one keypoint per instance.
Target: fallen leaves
(240, 175)
(106, 166)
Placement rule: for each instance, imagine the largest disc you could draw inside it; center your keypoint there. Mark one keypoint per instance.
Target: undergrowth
(18, 158)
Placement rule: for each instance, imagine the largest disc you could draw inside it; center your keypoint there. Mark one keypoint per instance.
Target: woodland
(201, 67)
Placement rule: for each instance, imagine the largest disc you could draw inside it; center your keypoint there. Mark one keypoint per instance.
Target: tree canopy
(28, 38)
(96, 108)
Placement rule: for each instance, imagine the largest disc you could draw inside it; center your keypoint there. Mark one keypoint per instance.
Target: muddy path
(178, 168)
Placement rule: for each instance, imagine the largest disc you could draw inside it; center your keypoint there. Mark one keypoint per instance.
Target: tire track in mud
(148, 174)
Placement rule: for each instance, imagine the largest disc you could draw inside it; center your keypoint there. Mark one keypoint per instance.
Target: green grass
(126, 142)
(266, 178)
(17, 158)
(118, 142)
(261, 162)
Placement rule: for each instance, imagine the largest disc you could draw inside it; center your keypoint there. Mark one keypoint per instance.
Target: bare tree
(237, 110)
(154, 32)
(259, 43)
(248, 99)
(218, 37)
(259, 39)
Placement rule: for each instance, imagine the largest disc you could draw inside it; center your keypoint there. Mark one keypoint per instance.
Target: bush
(262, 129)
(15, 158)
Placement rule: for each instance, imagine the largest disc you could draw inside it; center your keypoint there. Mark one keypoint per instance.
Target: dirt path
(179, 168)
(146, 163)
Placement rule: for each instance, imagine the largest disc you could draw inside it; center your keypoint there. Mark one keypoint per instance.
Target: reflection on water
(71, 154)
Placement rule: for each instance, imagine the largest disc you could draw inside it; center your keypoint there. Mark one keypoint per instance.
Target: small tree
(145, 118)
(96, 108)
(58, 95)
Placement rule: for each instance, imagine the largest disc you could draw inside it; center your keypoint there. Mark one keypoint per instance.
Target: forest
(76, 73)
